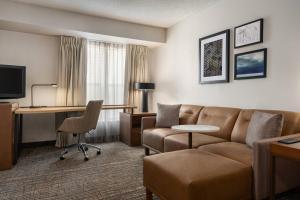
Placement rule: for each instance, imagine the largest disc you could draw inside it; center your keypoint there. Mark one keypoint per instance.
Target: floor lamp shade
(145, 87)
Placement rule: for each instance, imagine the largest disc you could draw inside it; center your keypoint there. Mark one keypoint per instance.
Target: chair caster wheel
(98, 152)
(86, 159)
(61, 158)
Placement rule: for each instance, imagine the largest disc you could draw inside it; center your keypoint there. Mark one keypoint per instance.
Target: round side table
(195, 128)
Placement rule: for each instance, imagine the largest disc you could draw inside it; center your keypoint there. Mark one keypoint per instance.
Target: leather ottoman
(196, 175)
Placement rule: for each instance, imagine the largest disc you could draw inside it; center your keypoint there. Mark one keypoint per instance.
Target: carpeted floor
(116, 174)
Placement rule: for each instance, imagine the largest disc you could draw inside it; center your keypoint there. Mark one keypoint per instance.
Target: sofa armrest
(285, 169)
(148, 122)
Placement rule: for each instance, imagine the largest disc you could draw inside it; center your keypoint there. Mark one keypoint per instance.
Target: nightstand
(130, 127)
(289, 151)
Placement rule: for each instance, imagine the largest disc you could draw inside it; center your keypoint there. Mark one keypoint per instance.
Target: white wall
(175, 65)
(39, 53)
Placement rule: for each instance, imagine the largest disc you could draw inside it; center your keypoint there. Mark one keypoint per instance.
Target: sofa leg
(147, 151)
(149, 195)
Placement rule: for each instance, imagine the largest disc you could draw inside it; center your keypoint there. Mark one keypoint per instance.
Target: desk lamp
(39, 85)
(145, 87)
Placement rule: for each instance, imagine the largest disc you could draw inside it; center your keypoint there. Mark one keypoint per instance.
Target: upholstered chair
(79, 126)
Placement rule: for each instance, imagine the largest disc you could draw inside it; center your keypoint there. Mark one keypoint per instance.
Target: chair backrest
(91, 115)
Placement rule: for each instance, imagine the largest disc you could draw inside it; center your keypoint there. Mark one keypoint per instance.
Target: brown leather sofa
(220, 165)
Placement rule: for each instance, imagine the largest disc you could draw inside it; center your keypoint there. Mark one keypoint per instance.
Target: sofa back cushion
(291, 124)
(222, 117)
(189, 114)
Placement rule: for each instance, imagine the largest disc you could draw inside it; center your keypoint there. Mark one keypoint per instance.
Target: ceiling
(161, 13)
(42, 30)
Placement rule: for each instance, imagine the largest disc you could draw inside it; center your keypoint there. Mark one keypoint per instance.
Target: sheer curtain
(105, 80)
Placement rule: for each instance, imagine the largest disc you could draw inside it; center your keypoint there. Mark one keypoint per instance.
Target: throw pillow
(263, 125)
(167, 115)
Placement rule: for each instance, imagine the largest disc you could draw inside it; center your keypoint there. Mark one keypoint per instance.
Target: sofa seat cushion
(154, 137)
(233, 150)
(180, 141)
(193, 174)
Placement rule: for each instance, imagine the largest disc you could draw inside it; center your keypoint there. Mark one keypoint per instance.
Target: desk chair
(78, 126)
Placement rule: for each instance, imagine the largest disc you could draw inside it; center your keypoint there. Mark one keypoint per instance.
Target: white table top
(196, 128)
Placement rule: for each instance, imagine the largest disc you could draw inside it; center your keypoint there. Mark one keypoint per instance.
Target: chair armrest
(261, 167)
(148, 122)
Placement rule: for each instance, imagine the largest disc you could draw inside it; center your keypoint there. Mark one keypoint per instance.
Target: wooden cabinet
(6, 135)
(130, 127)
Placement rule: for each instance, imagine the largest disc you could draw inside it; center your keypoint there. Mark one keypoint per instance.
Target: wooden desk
(289, 151)
(58, 109)
(61, 112)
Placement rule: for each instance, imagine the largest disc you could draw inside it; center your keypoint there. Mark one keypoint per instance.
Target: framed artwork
(252, 64)
(214, 58)
(249, 34)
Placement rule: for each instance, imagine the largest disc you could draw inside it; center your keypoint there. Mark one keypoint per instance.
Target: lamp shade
(144, 86)
(42, 85)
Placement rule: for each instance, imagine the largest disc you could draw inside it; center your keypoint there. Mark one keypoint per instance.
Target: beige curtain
(136, 70)
(72, 72)
(71, 89)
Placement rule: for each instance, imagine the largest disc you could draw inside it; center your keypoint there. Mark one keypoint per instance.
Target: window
(105, 80)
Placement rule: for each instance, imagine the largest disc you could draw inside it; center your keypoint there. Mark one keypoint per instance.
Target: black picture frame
(261, 33)
(253, 76)
(226, 56)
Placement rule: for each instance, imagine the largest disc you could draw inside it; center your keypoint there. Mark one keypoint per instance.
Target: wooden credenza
(6, 135)
(130, 127)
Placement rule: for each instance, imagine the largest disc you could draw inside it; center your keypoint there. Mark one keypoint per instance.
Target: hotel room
(153, 100)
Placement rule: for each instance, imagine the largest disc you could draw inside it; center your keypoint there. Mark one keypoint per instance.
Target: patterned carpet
(114, 175)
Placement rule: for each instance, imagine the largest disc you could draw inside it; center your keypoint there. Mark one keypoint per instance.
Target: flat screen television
(12, 81)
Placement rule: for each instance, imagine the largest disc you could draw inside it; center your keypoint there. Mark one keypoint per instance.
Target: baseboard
(38, 144)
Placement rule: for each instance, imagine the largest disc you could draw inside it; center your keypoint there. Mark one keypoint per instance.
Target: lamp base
(145, 101)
